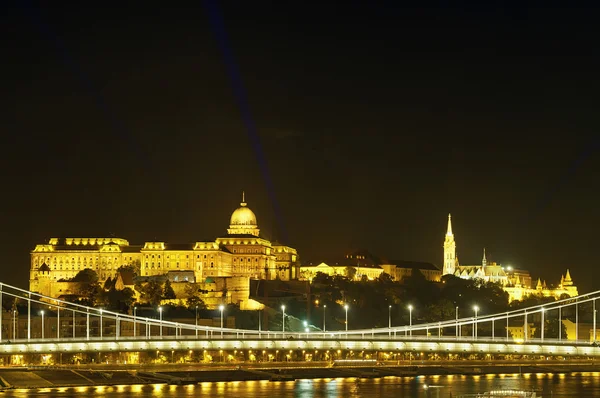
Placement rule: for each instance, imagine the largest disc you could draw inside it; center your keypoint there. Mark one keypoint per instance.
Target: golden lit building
(242, 252)
(517, 283)
(357, 265)
(400, 270)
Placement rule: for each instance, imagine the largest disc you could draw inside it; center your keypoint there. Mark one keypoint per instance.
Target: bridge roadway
(296, 342)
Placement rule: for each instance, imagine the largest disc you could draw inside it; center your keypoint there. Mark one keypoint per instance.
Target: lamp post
(42, 313)
(559, 323)
(456, 333)
(324, 308)
(221, 308)
(410, 308)
(160, 309)
(306, 329)
(134, 321)
(594, 334)
(196, 321)
(542, 310)
(390, 319)
(283, 318)
(14, 324)
(100, 323)
(476, 309)
(346, 308)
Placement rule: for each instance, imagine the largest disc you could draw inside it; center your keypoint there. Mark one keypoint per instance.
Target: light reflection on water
(551, 385)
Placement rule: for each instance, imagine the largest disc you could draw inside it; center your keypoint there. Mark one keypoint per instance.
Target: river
(550, 385)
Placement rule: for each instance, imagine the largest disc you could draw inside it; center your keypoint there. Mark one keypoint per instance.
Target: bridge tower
(449, 250)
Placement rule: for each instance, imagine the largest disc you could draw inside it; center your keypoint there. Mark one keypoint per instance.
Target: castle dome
(243, 220)
(243, 216)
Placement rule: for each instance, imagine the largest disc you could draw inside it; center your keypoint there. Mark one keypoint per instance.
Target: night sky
(354, 126)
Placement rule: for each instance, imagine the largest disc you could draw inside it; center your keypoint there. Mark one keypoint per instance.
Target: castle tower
(449, 250)
(567, 281)
(484, 260)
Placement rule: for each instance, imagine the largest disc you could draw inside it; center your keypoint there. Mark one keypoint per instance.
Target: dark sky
(349, 126)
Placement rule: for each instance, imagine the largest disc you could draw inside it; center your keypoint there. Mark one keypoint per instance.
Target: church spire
(450, 258)
(449, 232)
(484, 260)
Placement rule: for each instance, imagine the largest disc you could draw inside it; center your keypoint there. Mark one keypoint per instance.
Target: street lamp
(14, 324)
(283, 318)
(134, 321)
(42, 313)
(410, 308)
(542, 325)
(100, 323)
(476, 309)
(160, 309)
(306, 329)
(196, 321)
(221, 308)
(346, 308)
(457, 322)
(324, 308)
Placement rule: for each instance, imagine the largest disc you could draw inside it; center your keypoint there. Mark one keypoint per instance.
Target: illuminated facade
(242, 252)
(517, 283)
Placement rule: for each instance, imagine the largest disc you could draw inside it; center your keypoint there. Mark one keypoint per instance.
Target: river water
(549, 385)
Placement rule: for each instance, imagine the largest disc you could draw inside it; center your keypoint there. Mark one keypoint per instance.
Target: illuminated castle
(242, 252)
(517, 283)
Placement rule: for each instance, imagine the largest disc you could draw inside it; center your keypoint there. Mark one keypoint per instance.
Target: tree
(109, 283)
(551, 330)
(120, 300)
(150, 292)
(91, 294)
(193, 297)
(86, 275)
(168, 292)
(350, 272)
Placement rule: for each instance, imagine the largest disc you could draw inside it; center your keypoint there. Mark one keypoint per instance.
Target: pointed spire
(243, 199)
(539, 284)
(484, 260)
(449, 231)
(568, 276)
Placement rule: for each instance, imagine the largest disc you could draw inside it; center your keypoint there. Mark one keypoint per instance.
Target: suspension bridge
(82, 329)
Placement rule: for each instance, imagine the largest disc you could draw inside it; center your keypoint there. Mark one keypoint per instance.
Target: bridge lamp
(134, 321)
(476, 309)
(283, 318)
(101, 310)
(221, 308)
(542, 310)
(346, 308)
(390, 316)
(42, 314)
(324, 308)
(410, 308)
(196, 321)
(160, 311)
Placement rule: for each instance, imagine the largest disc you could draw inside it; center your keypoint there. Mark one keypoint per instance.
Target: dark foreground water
(550, 385)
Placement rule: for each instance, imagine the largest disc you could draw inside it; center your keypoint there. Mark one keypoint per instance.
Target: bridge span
(486, 335)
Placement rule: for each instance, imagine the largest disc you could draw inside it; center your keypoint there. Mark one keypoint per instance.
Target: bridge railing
(145, 328)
